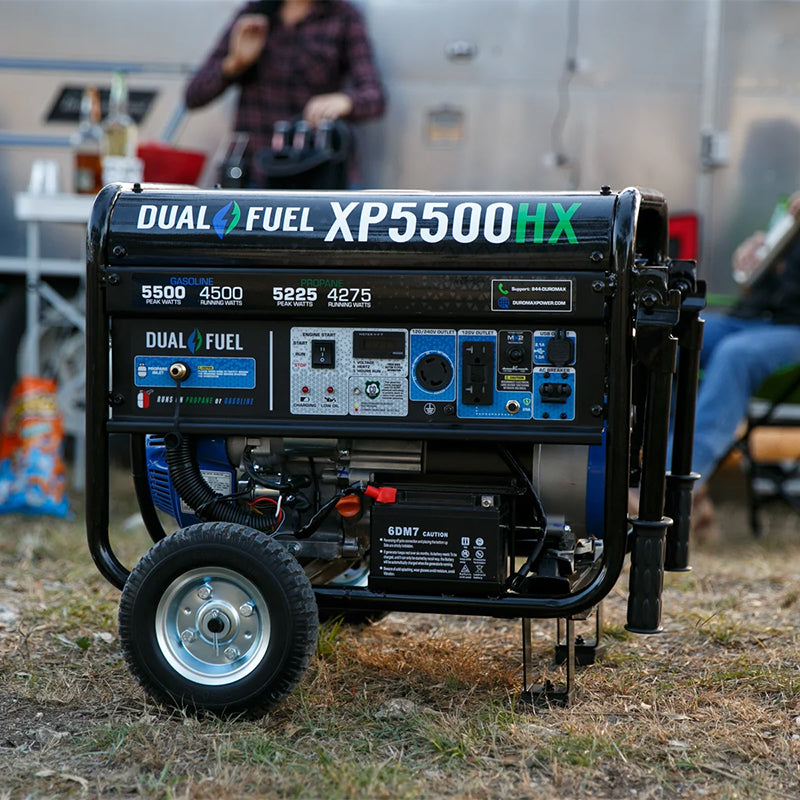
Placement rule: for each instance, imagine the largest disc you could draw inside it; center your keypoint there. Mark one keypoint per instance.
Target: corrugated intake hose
(192, 488)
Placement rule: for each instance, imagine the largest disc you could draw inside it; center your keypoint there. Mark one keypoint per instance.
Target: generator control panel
(535, 375)
(345, 315)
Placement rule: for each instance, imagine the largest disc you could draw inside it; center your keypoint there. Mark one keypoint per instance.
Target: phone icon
(501, 289)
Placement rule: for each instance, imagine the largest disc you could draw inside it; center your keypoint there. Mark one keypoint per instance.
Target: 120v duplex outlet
(477, 373)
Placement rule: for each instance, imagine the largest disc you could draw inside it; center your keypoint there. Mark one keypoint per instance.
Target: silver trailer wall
(484, 94)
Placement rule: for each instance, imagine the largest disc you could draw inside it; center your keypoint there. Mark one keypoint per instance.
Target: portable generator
(356, 402)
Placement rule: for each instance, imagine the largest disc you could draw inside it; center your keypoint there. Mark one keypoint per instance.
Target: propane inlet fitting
(179, 371)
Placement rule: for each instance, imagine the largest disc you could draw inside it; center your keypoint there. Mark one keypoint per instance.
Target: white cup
(44, 177)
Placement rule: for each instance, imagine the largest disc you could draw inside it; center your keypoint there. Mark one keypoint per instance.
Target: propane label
(204, 373)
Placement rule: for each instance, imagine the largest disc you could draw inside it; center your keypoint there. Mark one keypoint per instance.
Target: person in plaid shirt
(291, 59)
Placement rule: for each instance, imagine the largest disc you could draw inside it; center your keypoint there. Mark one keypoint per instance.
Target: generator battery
(442, 540)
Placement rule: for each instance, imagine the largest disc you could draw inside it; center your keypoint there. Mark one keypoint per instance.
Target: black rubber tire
(235, 562)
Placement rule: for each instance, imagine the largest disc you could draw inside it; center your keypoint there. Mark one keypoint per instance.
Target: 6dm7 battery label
(446, 544)
(412, 551)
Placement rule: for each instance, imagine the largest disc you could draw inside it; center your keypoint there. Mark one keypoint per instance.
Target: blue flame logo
(195, 340)
(226, 219)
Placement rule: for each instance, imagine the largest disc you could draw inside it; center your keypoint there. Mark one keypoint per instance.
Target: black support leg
(547, 693)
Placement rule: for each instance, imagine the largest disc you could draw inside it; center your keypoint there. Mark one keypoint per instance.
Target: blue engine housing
(212, 460)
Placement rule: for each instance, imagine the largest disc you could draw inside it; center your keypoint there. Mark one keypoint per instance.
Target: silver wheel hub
(213, 626)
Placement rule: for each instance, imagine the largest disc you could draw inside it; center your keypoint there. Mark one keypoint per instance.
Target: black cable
(517, 579)
(192, 488)
(291, 484)
(514, 464)
(317, 519)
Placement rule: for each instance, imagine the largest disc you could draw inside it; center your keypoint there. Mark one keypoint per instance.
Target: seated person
(758, 336)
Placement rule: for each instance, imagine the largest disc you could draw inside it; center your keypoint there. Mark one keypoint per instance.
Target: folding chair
(772, 470)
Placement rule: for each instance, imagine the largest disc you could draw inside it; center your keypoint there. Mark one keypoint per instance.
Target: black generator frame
(644, 291)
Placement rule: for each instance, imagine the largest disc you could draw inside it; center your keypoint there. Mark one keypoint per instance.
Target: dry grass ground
(416, 706)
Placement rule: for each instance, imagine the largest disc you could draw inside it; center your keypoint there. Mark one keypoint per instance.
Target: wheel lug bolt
(204, 592)
(246, 609)
(231, 652)
(188, 636)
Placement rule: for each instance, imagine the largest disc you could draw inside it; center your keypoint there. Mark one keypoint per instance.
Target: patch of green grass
(108, 740)
(450, 744)
(497, 715)
(720, 630)
(328, 636)
(384, 778)
(77, 611)
(681, 582)
(576, 750)
(255, 750)
(616, 632)
(749, 675)
(164, 785)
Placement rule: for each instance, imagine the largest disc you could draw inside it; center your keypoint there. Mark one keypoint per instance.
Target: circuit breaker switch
(555, 392)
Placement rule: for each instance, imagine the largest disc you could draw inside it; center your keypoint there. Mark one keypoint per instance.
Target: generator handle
(97, 392)
(680, 479)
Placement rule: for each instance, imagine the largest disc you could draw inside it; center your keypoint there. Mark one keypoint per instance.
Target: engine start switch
(323, 354)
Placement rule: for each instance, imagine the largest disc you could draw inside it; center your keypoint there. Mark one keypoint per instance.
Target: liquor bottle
(88, 145)
(120, 162)
(120, 129)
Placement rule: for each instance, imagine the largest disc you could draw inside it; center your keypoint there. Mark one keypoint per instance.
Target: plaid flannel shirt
(328, 51)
